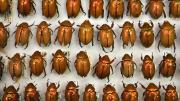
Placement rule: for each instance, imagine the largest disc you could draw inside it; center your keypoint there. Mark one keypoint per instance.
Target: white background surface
(92, 51)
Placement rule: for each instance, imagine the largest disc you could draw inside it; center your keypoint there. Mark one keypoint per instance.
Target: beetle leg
(55, 39)
(147, 9)
(68, 67)
(82, 10)
(92, 42)
(112, 69)
(164, 14)
(124, 85)
(103, 13)
(108, 78)
(30, 75)
(128, 8)
(174, 46)
(141, 57)
(57, 10)
(160, 68)
(159, 45)
(80, 43)
(118, 63)
(33, 3)
(104, 49)
(8, 57)
(142, 87)
(98, 38)
(89, 14)
(107, 15)
(44, 73)
(114, 34)
(164, 88)
(112, 47)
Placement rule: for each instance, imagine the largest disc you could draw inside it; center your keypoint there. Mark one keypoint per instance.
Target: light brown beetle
(110, 94)
(64, 33)
(5, 7)
(127, 65)
(85, 33)
(22, 34)
(171, 93)
(43, 34)
(37, 64)
(51, 92)
(4, 35)
(89, 93)
(105, 36)
(59, 62)
(135, 8)
(148, 67)
(10, 94)
(96, 8)
(31, 93)
(71, 92)
(82, 64)
(16, 66)
(128, 34)
(174, 8)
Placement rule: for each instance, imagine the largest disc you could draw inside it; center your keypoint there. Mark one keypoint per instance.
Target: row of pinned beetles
(86, 34)
(96, 8)
(82, 65)
(130, 93)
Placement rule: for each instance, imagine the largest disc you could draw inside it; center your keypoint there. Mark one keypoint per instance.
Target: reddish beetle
(31, 93)
(51, 92)
(110, 94)
(174, 8)
(171, 93)
(4, 35)
(10, 94)
(5, 7)
(71, 92)
(1, 67)
(89, 93)
(96, 8)
(135, 8)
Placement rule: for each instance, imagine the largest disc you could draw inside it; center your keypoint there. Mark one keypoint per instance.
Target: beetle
(64, 34)
(25, 7)
(59, 62)
(174, 10)
(73, 7)
(22, 34)
(51, 92)
(105, 36)
(5, 7)
(155, 8)
(82, 64)
(127, 65)
(103, 66)
(49, 8)
(71, 92)
(135, 8)
(96, 8)
(167, 35)
(16, 66)
(171, 93)
(167, 67)
(110, 94)
(1, 67)
(130, 92)
(31, 93)
(85, 33)
(37, 64)
(4, 34)
(152, 92)
(148, 67)
(10, 94)
(89, 93)
(43, 34)
(128, 34)
(115, 8)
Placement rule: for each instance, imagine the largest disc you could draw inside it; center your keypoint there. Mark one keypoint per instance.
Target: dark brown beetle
(51, 92)
(5, 7)
(148, 67)
(171, 93)
(115, 8)
(10, 94)
(152, 92)
(64, 33)
(43, 34)
(105, 36)
(59, 62)
(16, 66)
(85, 33)
(167, 35)
(155, 8)
(130, 93)
(89, 93)
(71, 92)
(128, 34)
(49, 8)
(82, 64)
(174, 8)
(167, 67)
(135, 8)
(96, 8)
(110, 94)
(22, 34)
(25, 7)
(4, 34)
(103, 66)
(1, 67)
(37, 64)
(73, 7)
(31, 93)
(127, 65)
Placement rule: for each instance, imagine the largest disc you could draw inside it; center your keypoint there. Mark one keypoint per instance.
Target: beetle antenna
(112, 24)
(32, 24)
(8, 24)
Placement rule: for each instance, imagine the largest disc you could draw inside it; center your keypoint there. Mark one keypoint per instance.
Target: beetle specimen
(128, 34)
(105, 36)
(10, 94)
(147, 34)
(85, 33)
(135, 8)
(174, 8)
(110, 94)
(4, 34)
(49, 8)
(127, 65)
(25, 7)
(1, 67)
(59, 62)
(31, 93)
(155, 8)
(5, 7)
(64, 33)
(171, 93)
(71, 92)
(96, 8)
(51, 92)
(103, 66)
(148, 67)
(167, 35)
(167, 67)
(89, 93)
(73, 7)
(37, 64)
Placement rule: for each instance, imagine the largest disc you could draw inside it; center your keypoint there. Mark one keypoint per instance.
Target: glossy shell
(4, 34)
(89, 93)
(135, 8)
(24, 7)
(96, 8)
(10, 94)
(51, 92)
(110, 94)
(31, 93)
(171, 93)
(73, 7)
(130, 93)
(71, 92)
(174, 8)
(4, 6)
